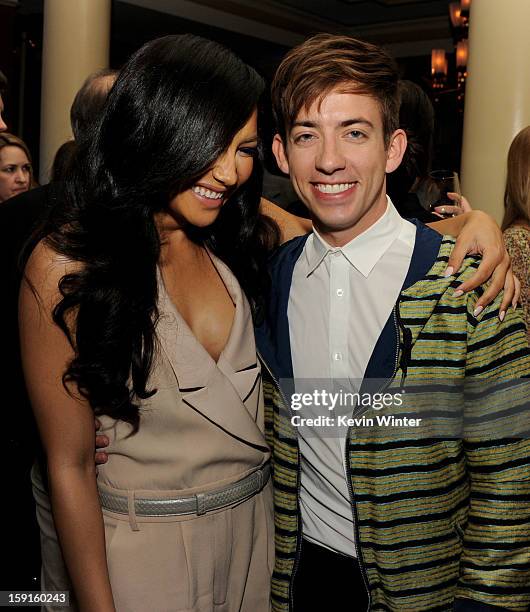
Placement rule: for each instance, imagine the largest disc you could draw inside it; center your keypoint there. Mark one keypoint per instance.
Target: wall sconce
(455, 14)
(459, 17)
(461, 68)
(465, 5)
(462, 54)
(438, 68)
(459, 26)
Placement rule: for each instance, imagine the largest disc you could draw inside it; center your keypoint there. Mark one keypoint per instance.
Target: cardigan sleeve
(495, 563)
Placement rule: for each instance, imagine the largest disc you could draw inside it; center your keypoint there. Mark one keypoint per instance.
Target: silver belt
(193, 504)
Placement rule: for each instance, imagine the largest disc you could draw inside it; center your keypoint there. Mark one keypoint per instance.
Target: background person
(16, 170)
(516, 220)
(61, 162)
(89, 103)
(407, 184)
(416, 117)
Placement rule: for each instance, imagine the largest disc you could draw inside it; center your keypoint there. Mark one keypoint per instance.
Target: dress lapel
(227, 393)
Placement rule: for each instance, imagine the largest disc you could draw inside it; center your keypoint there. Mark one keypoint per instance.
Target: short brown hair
(517, 192)
(321, 63)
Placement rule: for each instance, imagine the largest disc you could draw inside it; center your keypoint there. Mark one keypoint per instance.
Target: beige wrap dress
(203, 429)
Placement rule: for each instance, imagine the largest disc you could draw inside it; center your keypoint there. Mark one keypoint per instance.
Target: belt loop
(200, 499)
(132, 511)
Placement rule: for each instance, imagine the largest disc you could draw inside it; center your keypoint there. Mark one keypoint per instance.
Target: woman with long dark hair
(138, 307)
(134, 310)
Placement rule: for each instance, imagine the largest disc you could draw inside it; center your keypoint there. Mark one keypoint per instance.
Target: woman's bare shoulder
(290, 225)
(45, 268)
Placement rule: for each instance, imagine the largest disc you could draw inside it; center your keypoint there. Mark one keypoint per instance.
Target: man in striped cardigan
(395, 522)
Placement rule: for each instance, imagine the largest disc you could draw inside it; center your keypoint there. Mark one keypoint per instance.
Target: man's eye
(301, 138)
(355, 134)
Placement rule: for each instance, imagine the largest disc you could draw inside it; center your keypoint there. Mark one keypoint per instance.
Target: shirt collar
(365, 250)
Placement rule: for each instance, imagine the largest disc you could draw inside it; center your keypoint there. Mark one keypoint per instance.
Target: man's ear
(396, 149)
(280, 154)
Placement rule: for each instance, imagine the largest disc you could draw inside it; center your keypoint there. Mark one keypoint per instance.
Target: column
(76, 42)
(497, 104)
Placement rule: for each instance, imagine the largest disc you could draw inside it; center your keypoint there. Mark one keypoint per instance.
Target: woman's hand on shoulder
(478, 233)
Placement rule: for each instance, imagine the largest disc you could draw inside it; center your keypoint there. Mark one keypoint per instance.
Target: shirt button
(337, 356)
(340, 292)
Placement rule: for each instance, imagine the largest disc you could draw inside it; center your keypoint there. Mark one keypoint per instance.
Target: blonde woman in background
(516, 221)
(16, 170)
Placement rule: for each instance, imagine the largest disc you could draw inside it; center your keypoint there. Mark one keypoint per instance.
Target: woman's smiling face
(201, 203)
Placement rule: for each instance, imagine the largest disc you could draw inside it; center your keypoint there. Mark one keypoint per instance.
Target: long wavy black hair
(174, 108)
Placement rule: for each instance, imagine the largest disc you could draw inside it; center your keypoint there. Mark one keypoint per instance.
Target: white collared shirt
(339, 302)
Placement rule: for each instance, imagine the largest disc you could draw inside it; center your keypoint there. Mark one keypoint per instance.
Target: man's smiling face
(336, 156)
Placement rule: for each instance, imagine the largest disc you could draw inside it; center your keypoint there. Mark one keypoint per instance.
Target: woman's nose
(224, 170)
(22, 176)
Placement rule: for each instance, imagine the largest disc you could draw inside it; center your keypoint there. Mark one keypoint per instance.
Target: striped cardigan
(438, 522)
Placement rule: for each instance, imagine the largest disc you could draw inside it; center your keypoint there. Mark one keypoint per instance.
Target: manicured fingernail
(458, 293)
(502, 314)
(514, 304)
(449, 271)
(478, 310)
